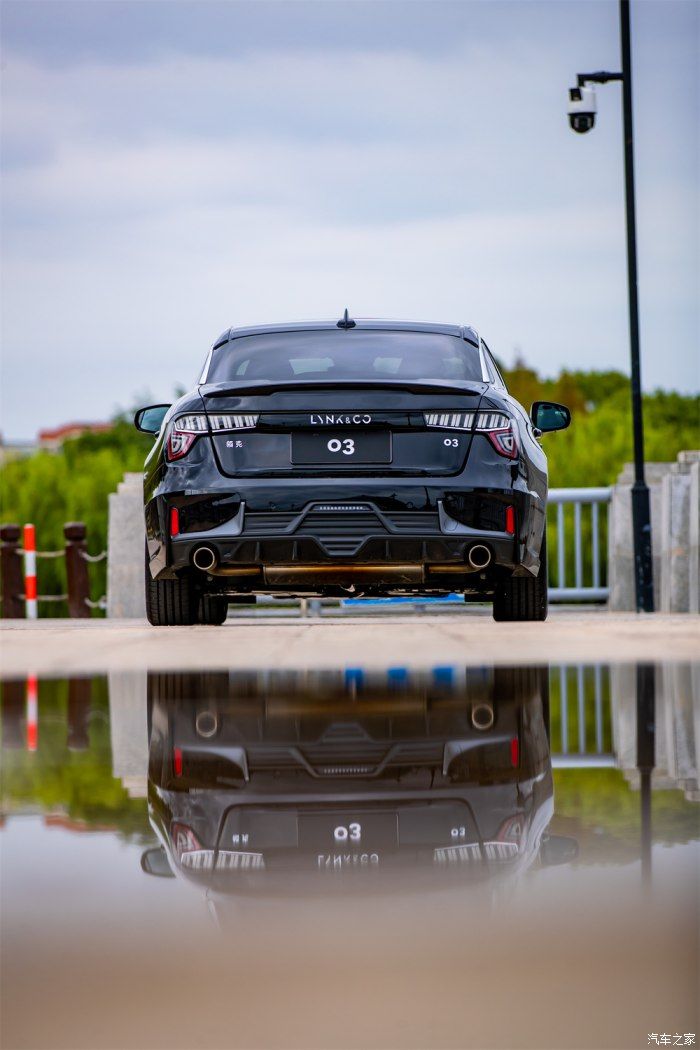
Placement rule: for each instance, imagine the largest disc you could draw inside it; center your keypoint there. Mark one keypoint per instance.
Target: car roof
(360, 324)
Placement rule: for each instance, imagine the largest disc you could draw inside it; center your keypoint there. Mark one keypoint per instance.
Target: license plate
(354, 831)
(341, 449)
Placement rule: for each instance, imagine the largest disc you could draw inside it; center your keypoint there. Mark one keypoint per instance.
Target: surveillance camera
(582, 109)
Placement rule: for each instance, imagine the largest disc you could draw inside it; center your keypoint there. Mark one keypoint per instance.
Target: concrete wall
(129, 730)
(675, 512)
(620, 545)
(125, 546)
(694, 539)
(675, 540)
(677, 738)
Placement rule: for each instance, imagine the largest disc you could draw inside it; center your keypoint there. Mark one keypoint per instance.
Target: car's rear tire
(523, 597)
(171, 603)
(213, 609)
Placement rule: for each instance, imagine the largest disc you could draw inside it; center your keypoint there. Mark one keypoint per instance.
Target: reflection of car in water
(256, 780)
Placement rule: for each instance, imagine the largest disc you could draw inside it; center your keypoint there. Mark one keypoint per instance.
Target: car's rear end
(252, 783)
(324, 461)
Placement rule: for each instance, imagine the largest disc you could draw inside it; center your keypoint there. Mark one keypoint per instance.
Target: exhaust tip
(479, 556)
(204, 558)
(206, 723)
(482, 716)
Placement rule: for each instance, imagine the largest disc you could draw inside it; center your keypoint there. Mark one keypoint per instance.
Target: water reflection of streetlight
(646, 704)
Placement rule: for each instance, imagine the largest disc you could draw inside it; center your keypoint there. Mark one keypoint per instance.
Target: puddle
(479, 856)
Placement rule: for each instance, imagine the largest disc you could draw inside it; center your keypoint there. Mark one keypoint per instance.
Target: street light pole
(641, 513)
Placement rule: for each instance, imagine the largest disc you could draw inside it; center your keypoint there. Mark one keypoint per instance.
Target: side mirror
(548, 415)
(557, 849)
(150, 419)
(155, 862)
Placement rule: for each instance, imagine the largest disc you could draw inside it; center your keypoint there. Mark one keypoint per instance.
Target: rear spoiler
(268, 386)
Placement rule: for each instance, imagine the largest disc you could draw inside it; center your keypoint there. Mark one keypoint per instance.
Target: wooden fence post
(12, 573)
(13, 714)
(77, 569)
(79, 703)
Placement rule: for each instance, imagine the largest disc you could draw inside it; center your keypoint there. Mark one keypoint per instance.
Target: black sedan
(350, 458)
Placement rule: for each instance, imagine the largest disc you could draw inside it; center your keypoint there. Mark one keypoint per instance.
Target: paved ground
(407, 639)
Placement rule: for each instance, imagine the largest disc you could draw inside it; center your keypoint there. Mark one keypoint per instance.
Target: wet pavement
(446, 856)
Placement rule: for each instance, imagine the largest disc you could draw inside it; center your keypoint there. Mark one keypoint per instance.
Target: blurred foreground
(452, 856)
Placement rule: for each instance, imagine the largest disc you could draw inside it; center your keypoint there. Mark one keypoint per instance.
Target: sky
(171, 169)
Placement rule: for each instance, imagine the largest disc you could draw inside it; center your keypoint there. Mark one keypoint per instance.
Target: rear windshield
(345, 355)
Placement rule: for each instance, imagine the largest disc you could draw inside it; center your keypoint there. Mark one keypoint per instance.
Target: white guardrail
(581, 742)
(592, 498)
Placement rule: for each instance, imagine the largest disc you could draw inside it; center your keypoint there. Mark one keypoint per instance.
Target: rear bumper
(339, 541)
(289, 561)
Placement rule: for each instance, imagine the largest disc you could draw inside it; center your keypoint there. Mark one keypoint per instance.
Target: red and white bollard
(32, 713)
(30, 598)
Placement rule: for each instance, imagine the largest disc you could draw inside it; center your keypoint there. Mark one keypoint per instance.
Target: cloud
(157, 300)
(450, 117)
(151, 203)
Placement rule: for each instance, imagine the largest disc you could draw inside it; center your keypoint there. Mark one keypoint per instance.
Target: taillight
(504, 441)
(184, 431)
(188, 849)
(497, 426)
(191, 855)
(510, 521)
(229, 860)
(174, 521)
(474, 853)
(512, 830)
(184, 839)
(182, 434)
(233, 422)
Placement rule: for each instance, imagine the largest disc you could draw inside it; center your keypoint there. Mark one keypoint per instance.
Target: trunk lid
(358, 427)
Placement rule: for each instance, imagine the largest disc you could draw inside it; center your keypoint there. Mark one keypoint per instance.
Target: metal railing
(580, 713)
(595, 589)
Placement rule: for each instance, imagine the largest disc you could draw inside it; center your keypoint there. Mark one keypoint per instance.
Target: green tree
(51, 488)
